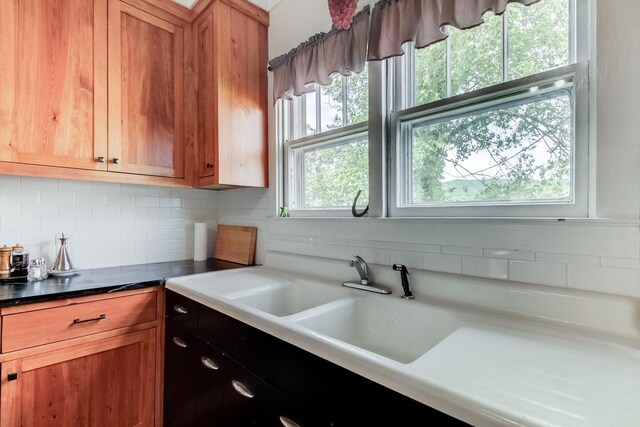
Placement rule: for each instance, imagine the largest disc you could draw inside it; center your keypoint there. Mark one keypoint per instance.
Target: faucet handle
(352, 263)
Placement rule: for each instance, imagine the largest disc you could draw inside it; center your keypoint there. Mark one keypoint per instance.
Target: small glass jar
(37, 270)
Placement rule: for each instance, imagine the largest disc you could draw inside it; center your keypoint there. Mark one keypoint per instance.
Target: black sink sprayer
(405, 280)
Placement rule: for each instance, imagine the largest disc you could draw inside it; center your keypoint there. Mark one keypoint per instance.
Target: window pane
(431, 73)
(331, 105)
(309, 100)
(538, 37)
(476, 56)
(514, 153)
(333, 175)
(358, 98)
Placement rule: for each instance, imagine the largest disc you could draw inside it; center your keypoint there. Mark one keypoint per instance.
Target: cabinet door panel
(207, 117)
(107, 383)
(180, 376)
(212, 375)
(146, 129)
(53, 94)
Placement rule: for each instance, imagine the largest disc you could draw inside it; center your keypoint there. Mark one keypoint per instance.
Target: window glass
(476, 56)
(538, 37)
(357, 97)
(520, 151)
(332, 105)
(431, 73)
(334, 174)
(310, 113)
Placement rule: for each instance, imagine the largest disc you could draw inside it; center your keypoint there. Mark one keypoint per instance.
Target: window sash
(455, 107)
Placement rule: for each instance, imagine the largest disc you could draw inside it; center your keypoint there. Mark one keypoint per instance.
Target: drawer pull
(179, 342)
(208, 363)
(287, 422)
(12, 376)
(94, 319)
(180, 309)
(241, 389)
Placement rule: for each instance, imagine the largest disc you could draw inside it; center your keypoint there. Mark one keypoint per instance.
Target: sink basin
(394, 328)
(290, 298)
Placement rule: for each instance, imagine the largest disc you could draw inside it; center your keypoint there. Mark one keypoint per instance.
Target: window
(328, 153)
(493, 121)
(487, 120)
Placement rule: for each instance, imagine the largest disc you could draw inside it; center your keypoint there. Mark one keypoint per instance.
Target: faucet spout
(362, 268)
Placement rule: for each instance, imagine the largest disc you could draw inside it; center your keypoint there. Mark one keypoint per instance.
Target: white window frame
(577, 73)
(295, 141)
(389, 107)
(575, 77)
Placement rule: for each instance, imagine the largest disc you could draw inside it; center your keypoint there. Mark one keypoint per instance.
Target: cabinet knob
(116, 161)
(179, 342)
(241, 389)
(288, 422)
(180, 309)
(100, 159)
(209, 165)
(12, 376)
(209, 363)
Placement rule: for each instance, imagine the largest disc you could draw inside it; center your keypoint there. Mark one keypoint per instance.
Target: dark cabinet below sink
(233, 375)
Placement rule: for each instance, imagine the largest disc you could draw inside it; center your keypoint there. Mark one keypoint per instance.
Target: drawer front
(33, 328)
(182, 310)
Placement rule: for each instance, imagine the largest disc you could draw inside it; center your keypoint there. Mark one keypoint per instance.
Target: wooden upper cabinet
(53, 84)
(232, 98)
(146, 86)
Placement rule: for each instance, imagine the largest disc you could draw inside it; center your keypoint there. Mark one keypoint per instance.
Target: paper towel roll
(200, 242)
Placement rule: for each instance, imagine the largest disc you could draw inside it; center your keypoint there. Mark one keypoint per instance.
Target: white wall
(595, 254)
(108, 224)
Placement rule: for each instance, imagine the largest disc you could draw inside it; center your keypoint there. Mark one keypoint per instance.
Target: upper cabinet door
(53, 84)
(146, 129)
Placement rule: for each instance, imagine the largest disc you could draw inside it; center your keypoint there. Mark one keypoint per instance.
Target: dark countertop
(103, 280)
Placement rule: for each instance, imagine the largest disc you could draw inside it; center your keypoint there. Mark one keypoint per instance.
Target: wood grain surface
(236, 244)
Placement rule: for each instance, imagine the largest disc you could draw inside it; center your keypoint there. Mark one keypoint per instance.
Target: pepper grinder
(5, 261)
(62, 261)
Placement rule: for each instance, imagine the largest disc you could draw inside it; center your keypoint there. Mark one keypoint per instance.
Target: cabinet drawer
(33, 328)
(182, 310)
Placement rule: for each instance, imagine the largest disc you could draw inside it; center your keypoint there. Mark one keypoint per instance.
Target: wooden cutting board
(236, 244)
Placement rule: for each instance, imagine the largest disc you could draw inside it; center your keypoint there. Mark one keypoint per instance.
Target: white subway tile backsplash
(493, 268)
(458, 250)
(509, 254)
(33, 183)
(170, 202)
(119, 200)
(618, 281)
(442, 262)
(38, 211)
(147, 201)
(108, 224)
(58, 197)
(105, 188)
(19, 224)
(8, 181)
(134, 190)
(542, 273)
(93, 199)
(409, 258)
(107, 212)
(73, 186)
(421, 248)
(568, 258)
(621, 262)
(75, 211)
(9, 209)
(8, 195)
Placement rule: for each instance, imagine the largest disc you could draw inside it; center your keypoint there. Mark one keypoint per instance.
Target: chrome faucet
(366, 277)
(362, 268)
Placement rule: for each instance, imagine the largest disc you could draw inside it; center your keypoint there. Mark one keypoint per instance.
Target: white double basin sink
(485, 365)
(384, 325)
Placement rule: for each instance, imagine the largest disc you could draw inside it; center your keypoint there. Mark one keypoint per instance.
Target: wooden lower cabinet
(105, 379)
